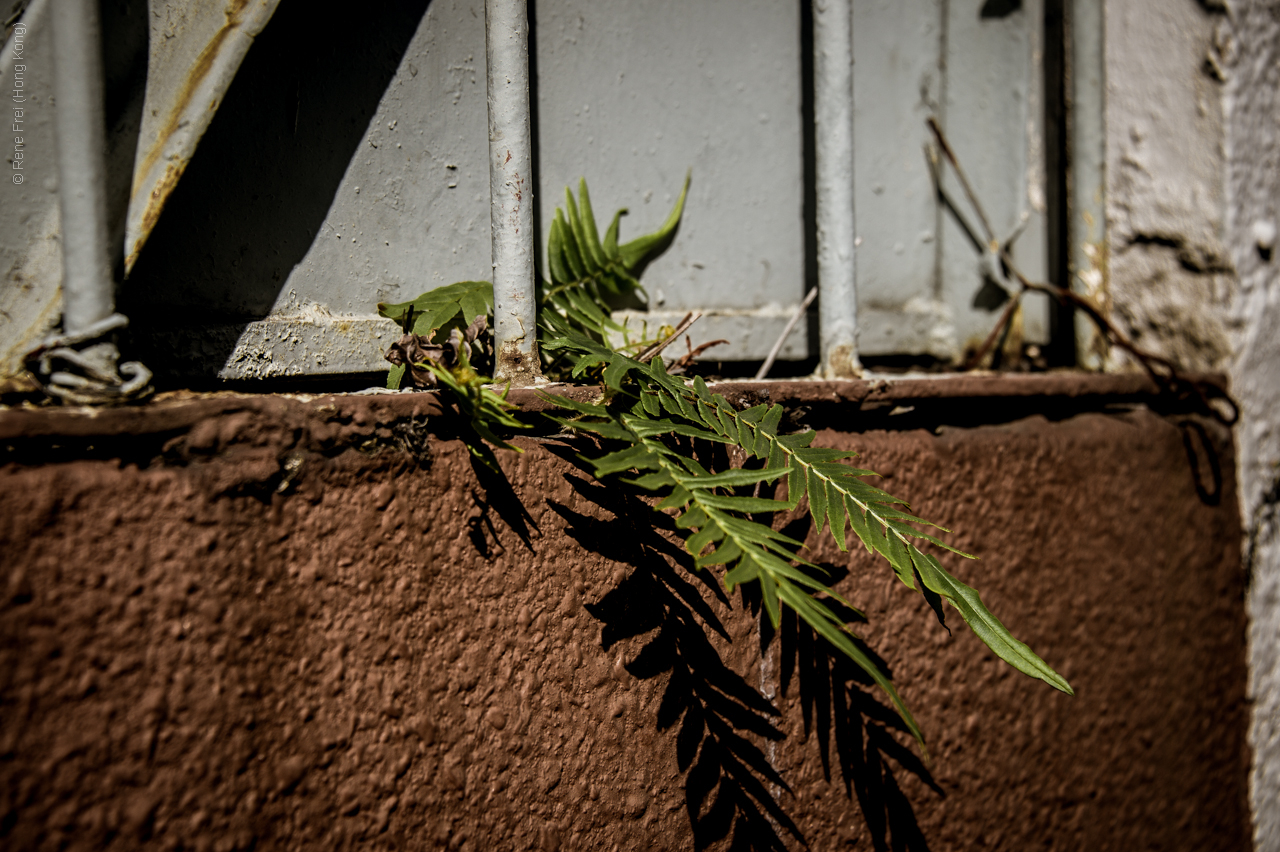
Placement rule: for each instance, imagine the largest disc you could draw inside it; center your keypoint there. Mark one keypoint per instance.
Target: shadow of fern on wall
(839, 709)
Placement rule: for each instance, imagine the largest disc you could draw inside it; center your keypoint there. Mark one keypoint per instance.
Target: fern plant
(449, 365)
(590, 277)
(644, 408)
(646, 420)
(433, 316)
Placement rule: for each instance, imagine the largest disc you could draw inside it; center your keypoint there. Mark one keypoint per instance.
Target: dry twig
(1161, 370)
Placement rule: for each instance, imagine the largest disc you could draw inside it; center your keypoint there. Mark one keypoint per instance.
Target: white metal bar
(87, 286)
(511, 192)
(833, 114)
(1087, 228)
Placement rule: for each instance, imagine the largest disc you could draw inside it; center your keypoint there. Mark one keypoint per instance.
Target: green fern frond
(589, 277)
(436, 309)
(838, 499)
(645, 410)
(483, 410)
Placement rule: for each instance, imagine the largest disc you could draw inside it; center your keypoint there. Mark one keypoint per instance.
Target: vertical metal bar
(833, 114)
(511, 192)
(93, 374)
(87, 285)
(1087, 211)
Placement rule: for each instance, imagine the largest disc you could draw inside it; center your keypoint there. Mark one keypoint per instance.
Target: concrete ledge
(313, 344)
(1067, 391)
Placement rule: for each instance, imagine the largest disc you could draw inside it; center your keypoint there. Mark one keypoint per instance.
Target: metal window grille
(322, 185)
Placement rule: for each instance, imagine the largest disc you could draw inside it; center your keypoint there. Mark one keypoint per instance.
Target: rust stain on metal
(155, 204)
(195, 76)
(841, 363)
(517, 367)
(1097, 286)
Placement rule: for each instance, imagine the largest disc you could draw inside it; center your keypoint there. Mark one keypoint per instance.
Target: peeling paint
(516, 366)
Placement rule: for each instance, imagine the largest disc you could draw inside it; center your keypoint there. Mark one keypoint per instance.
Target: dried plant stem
(648, 354)
(1161, 370)
(786, 332)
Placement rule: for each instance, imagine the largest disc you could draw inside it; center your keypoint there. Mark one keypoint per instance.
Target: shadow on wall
(838, 699)
(263, 178)
(731, 789)
(126, 35)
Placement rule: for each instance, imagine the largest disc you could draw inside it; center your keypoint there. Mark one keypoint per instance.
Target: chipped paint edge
(278, 347)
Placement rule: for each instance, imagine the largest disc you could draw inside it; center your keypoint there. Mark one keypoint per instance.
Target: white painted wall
(1193, 162)
(1165, 174)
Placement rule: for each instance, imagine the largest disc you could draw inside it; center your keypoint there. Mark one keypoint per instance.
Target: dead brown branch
(1161, 370)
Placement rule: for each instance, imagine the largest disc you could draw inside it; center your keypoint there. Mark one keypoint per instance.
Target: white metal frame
(88, 287)
(511, 192)
(511, 189)
(833, 118)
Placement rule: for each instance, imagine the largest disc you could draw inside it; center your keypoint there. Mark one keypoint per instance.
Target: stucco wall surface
(308, 623)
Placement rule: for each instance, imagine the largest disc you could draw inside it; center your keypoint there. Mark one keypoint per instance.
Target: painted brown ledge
(267, 634)
(894, 403)
(898, 389)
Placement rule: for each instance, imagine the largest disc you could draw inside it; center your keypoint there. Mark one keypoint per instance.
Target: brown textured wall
(303, 623)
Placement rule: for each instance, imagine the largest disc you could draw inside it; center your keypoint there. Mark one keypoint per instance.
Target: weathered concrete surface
(304, 622)
(1193, 199)
(1253, 212)
(1170, 272)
